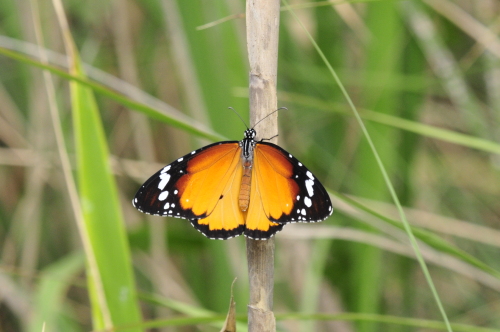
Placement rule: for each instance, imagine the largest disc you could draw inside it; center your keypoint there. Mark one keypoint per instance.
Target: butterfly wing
(202, 186)
(283, 190)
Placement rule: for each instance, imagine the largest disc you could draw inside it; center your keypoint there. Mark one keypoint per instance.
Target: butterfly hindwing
(217, 233)
(258, 234)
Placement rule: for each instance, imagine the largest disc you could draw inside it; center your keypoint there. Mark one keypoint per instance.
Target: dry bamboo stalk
(262, 23)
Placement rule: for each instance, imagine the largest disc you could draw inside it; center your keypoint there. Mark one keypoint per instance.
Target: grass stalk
(262, 21)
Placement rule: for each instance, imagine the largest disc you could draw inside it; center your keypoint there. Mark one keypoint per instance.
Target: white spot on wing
(309, 174)
(165, 177)
(307, 201)
(303, 212)
(300, 164)
(163, 196)
(180, 159)
(167, 205)
(310, 189)
(165, 169)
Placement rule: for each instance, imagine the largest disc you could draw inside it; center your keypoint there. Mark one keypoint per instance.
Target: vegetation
(424, 77)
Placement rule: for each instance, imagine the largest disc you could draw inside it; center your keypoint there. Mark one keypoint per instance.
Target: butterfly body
(247, 146)
(231, 188)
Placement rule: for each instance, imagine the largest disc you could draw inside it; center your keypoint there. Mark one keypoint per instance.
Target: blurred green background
(425, 76)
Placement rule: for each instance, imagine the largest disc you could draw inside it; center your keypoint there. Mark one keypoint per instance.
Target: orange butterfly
(236, 187)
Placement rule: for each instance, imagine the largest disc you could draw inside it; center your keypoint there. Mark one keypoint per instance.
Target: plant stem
(262, 22)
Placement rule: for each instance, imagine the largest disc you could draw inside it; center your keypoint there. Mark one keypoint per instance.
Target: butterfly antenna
(239, 116)
(268, 139)
(281, 108)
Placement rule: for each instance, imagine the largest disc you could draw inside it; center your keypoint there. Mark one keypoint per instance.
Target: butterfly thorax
(247, 146)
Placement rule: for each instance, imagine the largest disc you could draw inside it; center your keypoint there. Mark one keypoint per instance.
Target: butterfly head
(250, 133)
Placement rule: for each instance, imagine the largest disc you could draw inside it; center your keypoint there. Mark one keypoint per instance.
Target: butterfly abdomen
(246, 181)
(247, 146)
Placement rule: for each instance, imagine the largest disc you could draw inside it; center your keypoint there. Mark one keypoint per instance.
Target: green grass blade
(109, 272)
(384, 174)
(102, 215)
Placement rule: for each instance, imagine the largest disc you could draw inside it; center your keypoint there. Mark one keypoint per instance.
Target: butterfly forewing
(177, 190)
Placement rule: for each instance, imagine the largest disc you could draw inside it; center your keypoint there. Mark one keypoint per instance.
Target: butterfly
(231, 188)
